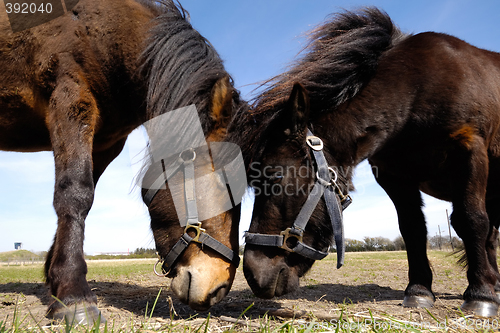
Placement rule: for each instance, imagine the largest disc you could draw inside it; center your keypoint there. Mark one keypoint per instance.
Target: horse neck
(353, 132)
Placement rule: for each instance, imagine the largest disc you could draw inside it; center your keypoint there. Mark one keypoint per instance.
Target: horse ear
(298, 108)
(222, 98)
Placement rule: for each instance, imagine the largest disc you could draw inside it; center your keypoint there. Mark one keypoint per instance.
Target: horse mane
(341, 56)
(339, 59)
(179, 65)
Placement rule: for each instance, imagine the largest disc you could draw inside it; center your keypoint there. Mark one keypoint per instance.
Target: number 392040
(28, 8)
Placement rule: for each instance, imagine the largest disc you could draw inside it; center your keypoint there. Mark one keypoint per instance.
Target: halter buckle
(314, 142)
(197, 228)
(345, 200)
(286, 234)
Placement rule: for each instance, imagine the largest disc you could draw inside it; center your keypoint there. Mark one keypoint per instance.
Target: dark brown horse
(424, 109)
(78, 85)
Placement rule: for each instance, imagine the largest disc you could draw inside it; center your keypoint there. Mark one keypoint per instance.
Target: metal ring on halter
(322, 181)
(333, 181)
(154, 268)
(335, 173)
(189, 159)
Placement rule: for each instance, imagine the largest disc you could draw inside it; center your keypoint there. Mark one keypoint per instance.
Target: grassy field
(363, 296)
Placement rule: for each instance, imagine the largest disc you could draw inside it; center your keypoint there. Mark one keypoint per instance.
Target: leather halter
(186, 161)
(325, 185)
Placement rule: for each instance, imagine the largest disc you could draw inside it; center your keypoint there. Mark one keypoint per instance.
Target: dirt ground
(366, 288)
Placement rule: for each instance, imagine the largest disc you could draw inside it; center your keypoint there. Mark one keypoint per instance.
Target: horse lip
(213, 298)
(267, 294)
(184, 293)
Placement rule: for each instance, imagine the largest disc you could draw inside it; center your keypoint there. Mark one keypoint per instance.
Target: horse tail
(462, 257)
(340, 58)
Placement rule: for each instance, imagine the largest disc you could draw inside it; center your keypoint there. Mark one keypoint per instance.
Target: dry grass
(363, 296)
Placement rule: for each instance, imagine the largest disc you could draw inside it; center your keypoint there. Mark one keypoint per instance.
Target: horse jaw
(203, 279)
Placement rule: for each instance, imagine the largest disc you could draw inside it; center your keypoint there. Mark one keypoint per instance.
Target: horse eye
(276, 178)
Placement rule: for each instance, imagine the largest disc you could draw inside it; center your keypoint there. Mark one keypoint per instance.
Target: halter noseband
(336, 201)
(186, 160)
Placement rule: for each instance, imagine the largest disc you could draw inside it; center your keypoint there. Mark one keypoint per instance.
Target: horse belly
(21, 127)
(437, 190)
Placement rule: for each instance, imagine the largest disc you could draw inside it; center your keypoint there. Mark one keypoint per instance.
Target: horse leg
(408, 202)
(492, 240)
(491, 252)
(470, 221)
(71, 121)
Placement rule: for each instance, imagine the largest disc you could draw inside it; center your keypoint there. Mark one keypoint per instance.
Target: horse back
(452, 85)
(433, 87)
(437, 98)
(97, 41)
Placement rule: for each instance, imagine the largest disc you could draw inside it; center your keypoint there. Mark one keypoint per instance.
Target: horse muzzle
(268, 276)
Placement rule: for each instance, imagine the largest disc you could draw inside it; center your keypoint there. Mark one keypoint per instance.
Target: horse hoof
(80, 314)
(481, 308)
(418, 302)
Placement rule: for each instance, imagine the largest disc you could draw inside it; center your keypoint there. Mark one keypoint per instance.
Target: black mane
(179, 64)
(341, 57)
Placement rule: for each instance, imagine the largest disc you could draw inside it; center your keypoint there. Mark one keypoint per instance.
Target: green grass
(97, 270)
(127, 268)
(21, 274)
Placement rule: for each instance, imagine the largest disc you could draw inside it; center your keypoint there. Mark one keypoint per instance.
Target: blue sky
(257, 39)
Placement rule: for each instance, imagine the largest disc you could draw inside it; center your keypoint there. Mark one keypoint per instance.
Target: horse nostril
(190, 278)
(281, 282)
(218, 294)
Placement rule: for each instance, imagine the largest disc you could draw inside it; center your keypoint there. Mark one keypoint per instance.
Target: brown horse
(78, 85)
(424, 109)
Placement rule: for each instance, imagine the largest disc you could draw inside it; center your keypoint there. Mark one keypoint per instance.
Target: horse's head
(291, 225)
(195, 225)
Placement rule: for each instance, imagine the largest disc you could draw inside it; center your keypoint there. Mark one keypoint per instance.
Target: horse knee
(74, 192)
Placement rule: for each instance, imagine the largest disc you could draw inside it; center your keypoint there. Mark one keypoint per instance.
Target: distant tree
(370, 244)
(399, 243)
(354, 245)
(438, 242)
(43, 254)
(457, 243)
(378, 244)
(144, 253)
(386, 244)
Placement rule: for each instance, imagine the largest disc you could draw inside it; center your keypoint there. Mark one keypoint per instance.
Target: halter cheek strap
(192, 224)
(335, 200)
